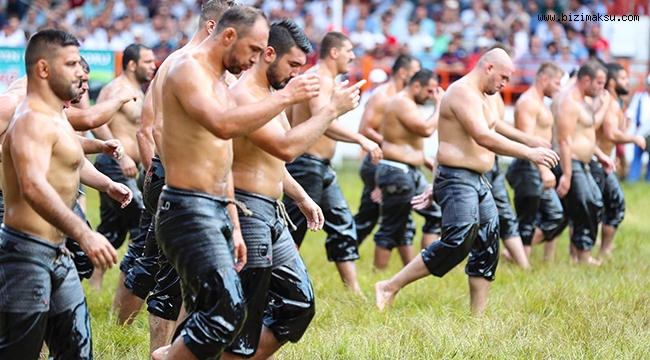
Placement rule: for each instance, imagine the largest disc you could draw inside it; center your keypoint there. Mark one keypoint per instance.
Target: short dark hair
(612, 71)
(332, 39)
(132, 52)
(84, 65)
(503, 46)
(423, 77)
(214, 10)
(45, 44)
(590, 69)
(285, 34)
(240, 18)
(403, 61)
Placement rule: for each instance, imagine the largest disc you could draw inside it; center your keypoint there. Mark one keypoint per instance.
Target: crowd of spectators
(446, 35)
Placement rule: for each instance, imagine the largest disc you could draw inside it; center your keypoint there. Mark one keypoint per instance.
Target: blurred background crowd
(446, 35)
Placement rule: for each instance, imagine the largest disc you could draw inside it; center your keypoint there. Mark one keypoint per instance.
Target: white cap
(377, 76)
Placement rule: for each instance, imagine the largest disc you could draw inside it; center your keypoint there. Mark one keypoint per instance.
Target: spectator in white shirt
(418, 41)
(12, 35)
(639, 114)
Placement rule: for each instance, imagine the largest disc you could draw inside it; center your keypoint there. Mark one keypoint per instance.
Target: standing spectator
(12, 35)
(639, 114)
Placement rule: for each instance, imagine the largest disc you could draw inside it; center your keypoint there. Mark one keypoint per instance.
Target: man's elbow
(30, 189)
(483, 139)
(287, 154)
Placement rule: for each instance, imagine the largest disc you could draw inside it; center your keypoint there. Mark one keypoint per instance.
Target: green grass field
(556, 311)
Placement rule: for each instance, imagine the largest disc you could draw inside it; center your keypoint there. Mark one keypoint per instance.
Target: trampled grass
(556, 311)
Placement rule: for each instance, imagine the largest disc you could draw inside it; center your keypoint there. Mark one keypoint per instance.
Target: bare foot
(506, 255)
(594, 262)
(160, 353)
(383, 296)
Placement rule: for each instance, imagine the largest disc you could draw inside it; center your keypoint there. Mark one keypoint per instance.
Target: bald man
(467, 146)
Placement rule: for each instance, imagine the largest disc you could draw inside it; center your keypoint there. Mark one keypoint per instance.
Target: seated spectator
(417, 40)
(600, 44)
(440, 42)
(482, 44)
(565, 59)
(528, 64)
(92, 8)
(421, 16)
(12, 35)
(453, 61)
(363, 40)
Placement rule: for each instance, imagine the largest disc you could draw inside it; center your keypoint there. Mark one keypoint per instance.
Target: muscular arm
(611, 128)
(211, 110)
(288, 145)
(411, 116)
(144, 135)
(91, 146)
(292, 188)
(372, 117)
(103, 132)
(469, 113)
(94, 116)
(567, 118)
(92, 177)
(31, 150)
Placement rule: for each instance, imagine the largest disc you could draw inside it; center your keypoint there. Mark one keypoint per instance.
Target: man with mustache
(43, 163)
(197, 225)
(275, 276)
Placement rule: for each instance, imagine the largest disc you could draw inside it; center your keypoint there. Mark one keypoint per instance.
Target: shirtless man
(469, 216)
(17, 92)
(312, 169)
(404, 68)
(197, 222)
(608, 135)
(41, 173)
(534, 185)
(576, 138)
(508, 225)
(260, 178)
(138, 68)
(152, 277)
(398, 175)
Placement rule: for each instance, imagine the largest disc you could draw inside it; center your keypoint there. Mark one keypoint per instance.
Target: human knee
(456, 242)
